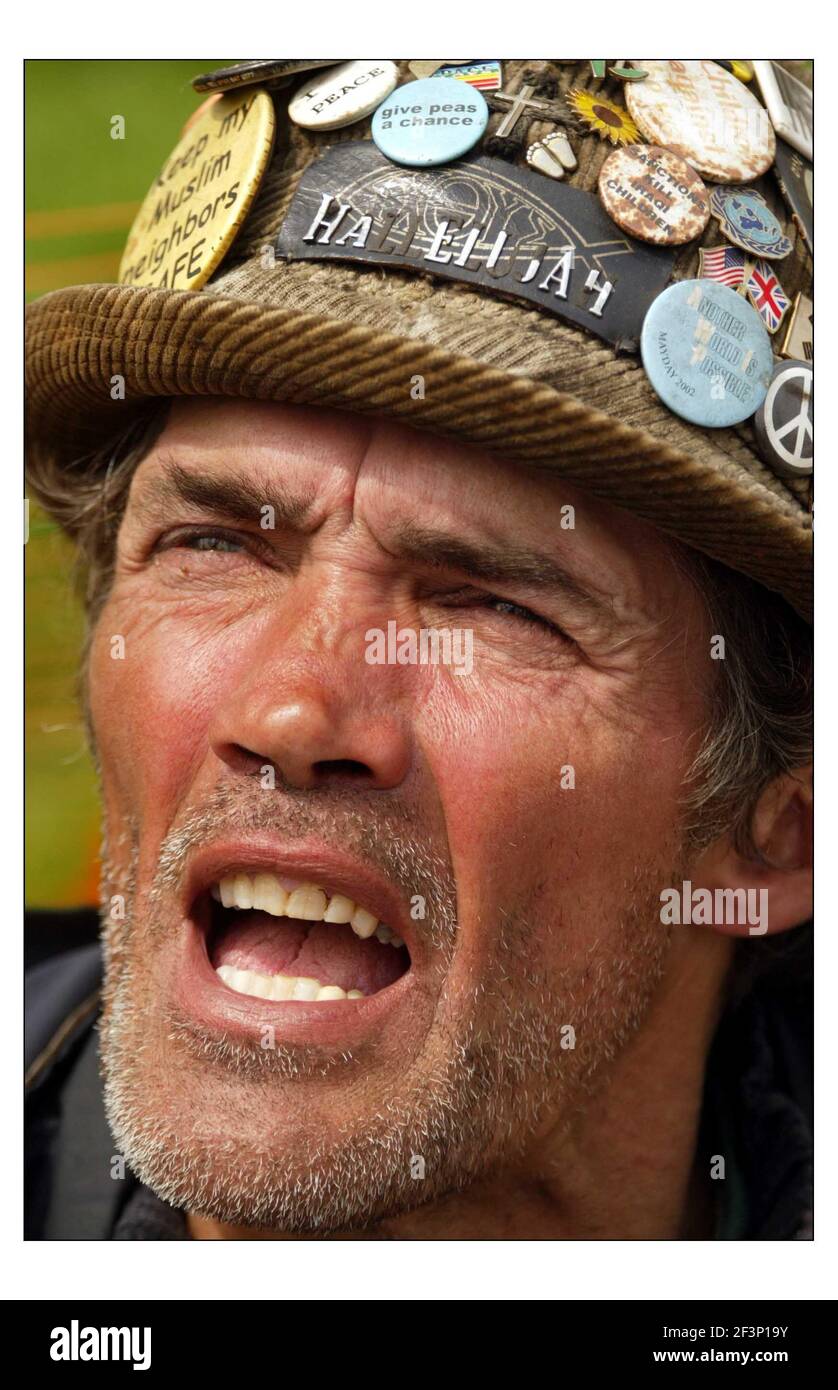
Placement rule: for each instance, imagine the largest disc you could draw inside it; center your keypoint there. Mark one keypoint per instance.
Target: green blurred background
(82, 191)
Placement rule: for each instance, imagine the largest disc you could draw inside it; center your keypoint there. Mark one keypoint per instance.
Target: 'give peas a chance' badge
(193, 210)
(431, 121)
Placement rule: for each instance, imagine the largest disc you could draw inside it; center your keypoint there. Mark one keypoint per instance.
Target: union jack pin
(767, 295)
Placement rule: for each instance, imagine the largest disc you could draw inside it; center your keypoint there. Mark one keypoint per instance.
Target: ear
(782, 832)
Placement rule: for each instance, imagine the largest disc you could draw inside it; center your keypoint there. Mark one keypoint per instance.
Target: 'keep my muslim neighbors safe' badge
(194, 208)
(706, 353)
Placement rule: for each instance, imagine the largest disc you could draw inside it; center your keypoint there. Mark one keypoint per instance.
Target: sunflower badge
(610, 121)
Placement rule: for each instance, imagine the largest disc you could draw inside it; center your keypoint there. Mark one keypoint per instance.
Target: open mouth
(277, 938)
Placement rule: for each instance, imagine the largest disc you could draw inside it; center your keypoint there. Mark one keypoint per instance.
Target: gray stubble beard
(503, 1075)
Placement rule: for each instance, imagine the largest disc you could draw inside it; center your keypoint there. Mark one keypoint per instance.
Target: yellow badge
(610, 121)
(194, 208)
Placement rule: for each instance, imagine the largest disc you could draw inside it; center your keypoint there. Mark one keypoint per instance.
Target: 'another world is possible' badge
(706, 353)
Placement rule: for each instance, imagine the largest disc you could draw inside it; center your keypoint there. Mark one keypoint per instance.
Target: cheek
(551, 806)
(152, 705)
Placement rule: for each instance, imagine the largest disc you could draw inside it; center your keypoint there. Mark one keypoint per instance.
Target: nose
(316, 725)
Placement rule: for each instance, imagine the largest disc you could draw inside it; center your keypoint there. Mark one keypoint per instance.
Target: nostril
(241, 759)
(342, 768)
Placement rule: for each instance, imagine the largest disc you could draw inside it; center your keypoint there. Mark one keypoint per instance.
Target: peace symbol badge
(784, 421)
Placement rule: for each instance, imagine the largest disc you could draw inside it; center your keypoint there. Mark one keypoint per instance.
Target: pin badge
(704, 114)
(599, 66)
(795, 176)
(343, 94)
(553, 155)
(523, 103)
(431, 121)
(800, 334)
(706, 353)
(608, 120)
(264, 72)
(789, 105)
(727, 265)
(654, 194)
(426, 67)
(193, 210)
(767, 295)
(485, 76)
(741, 69)
(784, 424)
(746, 219)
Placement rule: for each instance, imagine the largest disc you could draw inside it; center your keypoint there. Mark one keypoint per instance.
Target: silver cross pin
(521, 104)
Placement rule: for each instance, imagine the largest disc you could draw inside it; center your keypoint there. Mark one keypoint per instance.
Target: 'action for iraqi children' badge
(654, 194)
(193, 210)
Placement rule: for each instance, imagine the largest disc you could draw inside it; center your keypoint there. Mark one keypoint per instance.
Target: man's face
(513, 823)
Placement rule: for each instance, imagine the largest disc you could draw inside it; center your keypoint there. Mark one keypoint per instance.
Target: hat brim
(166, 343)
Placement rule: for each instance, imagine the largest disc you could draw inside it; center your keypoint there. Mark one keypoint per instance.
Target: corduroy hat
(495, 370)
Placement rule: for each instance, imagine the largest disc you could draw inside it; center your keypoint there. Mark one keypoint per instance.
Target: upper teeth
(265, 893)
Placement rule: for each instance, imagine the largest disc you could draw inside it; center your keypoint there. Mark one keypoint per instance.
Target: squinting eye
(210, 542)
(215, 542)
(515, 610)
(502, 605)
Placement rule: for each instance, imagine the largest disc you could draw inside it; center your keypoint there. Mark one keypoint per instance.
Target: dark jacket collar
(756, 1116)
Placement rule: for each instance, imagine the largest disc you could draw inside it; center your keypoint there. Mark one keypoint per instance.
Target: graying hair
(760, 722)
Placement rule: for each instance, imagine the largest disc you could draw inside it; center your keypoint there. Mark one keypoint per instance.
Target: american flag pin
(726, 265)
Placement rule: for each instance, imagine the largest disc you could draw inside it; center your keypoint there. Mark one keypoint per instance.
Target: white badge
(344, 94)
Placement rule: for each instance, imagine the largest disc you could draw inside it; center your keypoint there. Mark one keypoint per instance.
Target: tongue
(332, 954)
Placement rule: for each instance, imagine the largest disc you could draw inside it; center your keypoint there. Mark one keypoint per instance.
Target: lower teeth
(279, 987)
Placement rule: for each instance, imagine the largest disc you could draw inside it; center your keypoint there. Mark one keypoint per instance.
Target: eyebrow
(234, 496)
(237, 497)
(499, 564)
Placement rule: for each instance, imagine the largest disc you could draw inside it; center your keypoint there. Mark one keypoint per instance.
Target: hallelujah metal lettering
(480, 221)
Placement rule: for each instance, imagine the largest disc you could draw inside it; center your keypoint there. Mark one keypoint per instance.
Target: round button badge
(264, 72)
(784, 425)
(705, 115)
(654, 194)
(343, 94)
(431, 121)
(706, 353)
(196, 205)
